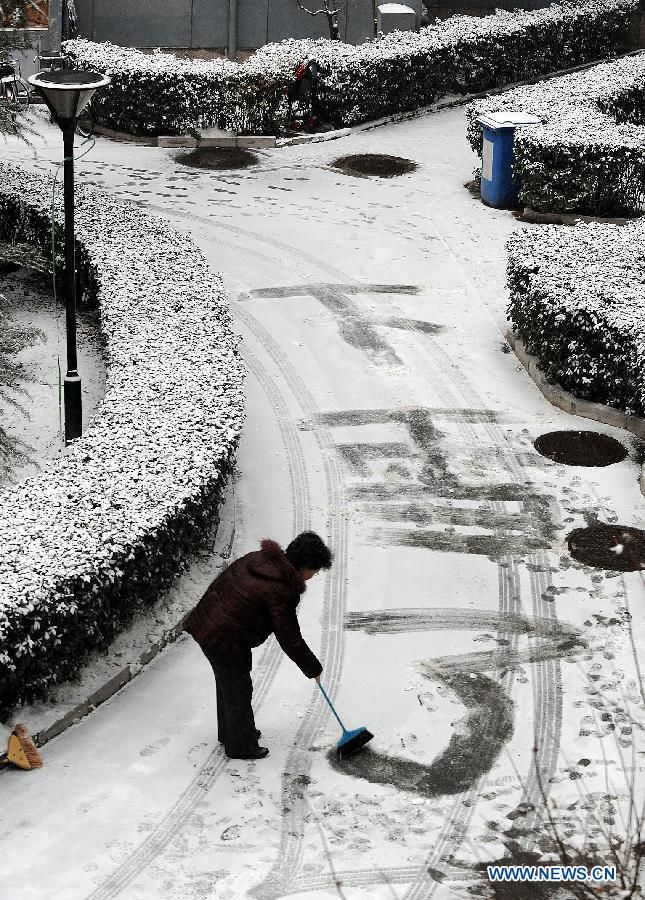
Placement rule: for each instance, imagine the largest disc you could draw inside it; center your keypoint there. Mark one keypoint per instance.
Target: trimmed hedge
(154, 94)
(101, 531)
(576, 301)
(589, 155)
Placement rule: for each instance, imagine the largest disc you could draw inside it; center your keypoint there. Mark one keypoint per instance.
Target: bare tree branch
(330, 8)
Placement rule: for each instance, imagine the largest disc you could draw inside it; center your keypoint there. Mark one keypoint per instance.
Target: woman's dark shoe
(260, 753)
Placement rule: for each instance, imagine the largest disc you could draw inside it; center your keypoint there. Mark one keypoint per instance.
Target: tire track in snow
(549, 694)
(462, 810)
(267, 666)
(300, 760)
(271, 656)
(546, 709)
(547, 674)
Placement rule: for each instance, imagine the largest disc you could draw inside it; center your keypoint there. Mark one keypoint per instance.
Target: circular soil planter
(217, 158)
(596, 545)
(374, 164)
(580, 448)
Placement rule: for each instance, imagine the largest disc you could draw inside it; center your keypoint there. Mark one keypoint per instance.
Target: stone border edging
(567, 402)
(530, 215)
(108, 690)
(258, 141)
(124, 136)
(135, 666)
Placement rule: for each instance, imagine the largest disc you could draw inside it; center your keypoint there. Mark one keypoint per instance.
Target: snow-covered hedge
(589, 155)
(577, 304)
(101, 531)
(159, 94)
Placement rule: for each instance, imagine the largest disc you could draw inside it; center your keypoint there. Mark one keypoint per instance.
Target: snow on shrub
(576, 301)
(101, 531)
(589, 155)
(160, 94)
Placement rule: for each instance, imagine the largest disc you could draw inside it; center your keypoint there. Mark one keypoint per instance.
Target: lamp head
(67, 92)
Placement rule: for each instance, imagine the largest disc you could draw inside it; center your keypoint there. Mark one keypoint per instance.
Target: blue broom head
(352, 741)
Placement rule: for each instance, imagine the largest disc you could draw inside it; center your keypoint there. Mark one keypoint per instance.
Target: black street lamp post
(67, 93)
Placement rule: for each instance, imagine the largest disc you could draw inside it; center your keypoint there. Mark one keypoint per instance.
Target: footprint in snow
(152, 748)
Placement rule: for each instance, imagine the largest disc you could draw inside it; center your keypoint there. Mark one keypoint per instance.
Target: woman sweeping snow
(254, 597)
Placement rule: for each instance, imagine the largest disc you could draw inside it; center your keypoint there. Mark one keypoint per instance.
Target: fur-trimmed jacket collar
(271, 563)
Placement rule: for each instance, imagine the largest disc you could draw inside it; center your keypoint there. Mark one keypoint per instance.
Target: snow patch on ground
(27, 298)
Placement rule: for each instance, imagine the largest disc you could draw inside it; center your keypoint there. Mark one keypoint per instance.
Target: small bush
(576, 301)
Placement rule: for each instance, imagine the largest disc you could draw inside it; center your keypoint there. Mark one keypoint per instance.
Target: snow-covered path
(385, 412)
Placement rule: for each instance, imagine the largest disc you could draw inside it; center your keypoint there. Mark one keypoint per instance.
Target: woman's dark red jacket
(254, 597)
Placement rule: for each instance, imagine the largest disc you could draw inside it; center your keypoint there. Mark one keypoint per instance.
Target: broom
(351, 741)
(21, 751)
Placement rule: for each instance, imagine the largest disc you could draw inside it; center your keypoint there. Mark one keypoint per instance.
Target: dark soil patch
(580, 448)
(378, 164)
(597, 546)
(217, 158)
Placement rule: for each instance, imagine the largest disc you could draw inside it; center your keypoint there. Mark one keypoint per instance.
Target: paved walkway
(384, 411)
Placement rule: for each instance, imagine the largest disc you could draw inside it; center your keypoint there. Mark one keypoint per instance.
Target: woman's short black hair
(308, 551)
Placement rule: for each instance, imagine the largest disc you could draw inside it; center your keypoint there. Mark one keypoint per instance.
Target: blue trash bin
(498, 187)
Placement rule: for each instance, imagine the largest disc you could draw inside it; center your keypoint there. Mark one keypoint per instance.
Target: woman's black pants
(235, 720)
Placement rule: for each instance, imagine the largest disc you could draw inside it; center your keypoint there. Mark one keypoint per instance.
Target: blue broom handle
(331, 706)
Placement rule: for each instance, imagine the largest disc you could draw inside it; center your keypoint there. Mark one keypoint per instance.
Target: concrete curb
(108, 689)
(127, 673)
(229, 141)
(124, 136)
(567, 402)
(530, 215)
(257, 141)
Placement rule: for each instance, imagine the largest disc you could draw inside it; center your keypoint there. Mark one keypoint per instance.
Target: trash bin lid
(507, 119)
(395, 8)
